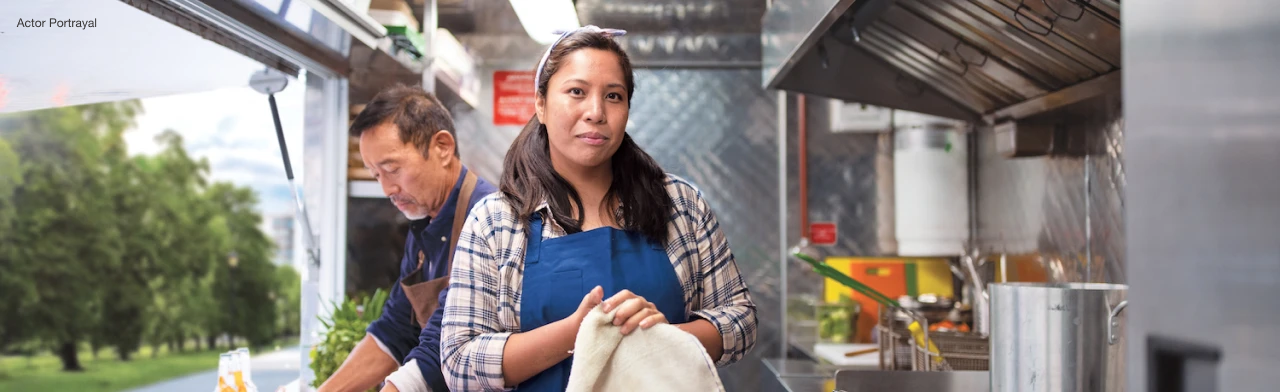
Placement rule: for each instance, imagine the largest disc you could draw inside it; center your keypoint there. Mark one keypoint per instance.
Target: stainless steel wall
(850, 183)
(1203, 153)
(714, 127)
(1066, 208)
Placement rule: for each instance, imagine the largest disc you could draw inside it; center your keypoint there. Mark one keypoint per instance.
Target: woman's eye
(576, 91)
(615, 96)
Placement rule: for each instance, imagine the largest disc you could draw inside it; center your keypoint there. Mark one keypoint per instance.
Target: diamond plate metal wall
(851, 184)
(689, 17)
(1068, 209)
(718, 129)
(646, 50)
(848, 173)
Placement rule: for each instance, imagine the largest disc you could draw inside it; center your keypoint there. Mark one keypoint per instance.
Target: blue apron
(560, 271)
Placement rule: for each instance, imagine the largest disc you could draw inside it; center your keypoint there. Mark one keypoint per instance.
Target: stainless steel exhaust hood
(976, 60)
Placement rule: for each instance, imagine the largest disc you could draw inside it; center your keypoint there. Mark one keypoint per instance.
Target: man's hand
(367, 366)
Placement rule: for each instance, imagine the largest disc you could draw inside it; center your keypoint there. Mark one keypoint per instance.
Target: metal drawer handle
(1060, 15)
(961, 59)
(978, 52)
(964, 66)
(1113, 323)
(1023, 19)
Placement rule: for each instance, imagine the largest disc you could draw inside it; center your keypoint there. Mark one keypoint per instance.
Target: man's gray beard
(413, 217)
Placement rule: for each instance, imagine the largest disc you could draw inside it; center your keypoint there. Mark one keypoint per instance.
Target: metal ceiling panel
(684, 16)
(982, 56)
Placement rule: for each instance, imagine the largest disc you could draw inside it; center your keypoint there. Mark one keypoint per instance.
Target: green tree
(15, 288)
(246, 286)
(124, 315)
(65, 226)
(185, 248)
(10, 179)
(118, 251)
(289, 299)
(107, 124)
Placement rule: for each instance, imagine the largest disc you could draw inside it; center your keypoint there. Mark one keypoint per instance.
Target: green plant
(837, 322)
(346, 327)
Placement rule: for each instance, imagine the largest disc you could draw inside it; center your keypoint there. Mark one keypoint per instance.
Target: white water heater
(931, 185)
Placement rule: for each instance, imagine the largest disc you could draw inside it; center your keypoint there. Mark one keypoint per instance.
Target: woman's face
(585, 109)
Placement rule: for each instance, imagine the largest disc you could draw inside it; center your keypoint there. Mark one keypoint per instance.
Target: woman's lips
(593, 138)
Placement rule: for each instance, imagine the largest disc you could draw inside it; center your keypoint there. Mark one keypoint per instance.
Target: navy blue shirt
(396, 329)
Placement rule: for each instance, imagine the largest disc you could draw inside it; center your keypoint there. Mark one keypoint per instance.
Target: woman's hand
(633, 312)
(593, 298)
(531, 352)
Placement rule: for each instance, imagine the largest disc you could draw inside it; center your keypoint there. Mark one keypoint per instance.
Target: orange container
(893, 277)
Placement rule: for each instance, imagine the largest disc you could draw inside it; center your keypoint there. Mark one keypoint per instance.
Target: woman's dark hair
(638, 189)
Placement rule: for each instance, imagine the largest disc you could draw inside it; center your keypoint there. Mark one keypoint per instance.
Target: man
(407, 141)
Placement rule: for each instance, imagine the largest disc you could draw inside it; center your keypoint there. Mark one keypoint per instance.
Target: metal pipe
(313, 251)
(981, 308)
(802, 125)
(971, 140)
(1088, 220)
(430, 21)
(1004, 267)
(783, 256)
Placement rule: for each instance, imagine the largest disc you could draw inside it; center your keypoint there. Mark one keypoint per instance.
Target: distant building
(282, 234)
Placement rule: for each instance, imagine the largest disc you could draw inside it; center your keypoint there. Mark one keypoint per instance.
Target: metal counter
(793, 375)
(798, 375)
(893, 381)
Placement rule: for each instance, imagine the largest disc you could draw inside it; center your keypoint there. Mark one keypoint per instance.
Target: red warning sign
(512, 97)
(822, 233)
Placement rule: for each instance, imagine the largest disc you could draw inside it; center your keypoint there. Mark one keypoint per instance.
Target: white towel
(661, 358)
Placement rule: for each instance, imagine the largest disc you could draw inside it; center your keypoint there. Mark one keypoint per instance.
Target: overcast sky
(233, 129)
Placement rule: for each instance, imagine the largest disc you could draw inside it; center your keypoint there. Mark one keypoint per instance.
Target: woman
(583, 212)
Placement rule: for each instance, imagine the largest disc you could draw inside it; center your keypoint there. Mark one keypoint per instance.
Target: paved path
(270, 371)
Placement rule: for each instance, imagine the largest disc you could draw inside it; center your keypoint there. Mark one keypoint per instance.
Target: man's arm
(389, 339)
(426, 358)
(364, 368)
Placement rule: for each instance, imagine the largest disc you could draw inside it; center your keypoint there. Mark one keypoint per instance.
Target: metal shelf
(373, 69)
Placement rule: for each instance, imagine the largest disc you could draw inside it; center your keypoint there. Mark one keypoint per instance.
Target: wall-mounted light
(542, 18)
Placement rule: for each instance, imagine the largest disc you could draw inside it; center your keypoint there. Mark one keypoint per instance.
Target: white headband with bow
(591, 28)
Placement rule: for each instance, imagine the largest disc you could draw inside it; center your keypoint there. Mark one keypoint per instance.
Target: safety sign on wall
(512, 97)
(822, 233)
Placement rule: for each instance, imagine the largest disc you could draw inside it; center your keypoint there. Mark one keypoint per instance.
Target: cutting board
(834, 354)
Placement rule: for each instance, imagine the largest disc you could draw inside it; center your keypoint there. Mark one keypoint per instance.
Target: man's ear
(444, 147)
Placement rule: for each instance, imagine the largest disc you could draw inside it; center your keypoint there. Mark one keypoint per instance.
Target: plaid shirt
(483, 306)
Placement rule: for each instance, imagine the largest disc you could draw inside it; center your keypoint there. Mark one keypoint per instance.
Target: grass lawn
(43, 372)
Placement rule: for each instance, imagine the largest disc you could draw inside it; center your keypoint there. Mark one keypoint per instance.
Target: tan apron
(425, 296)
